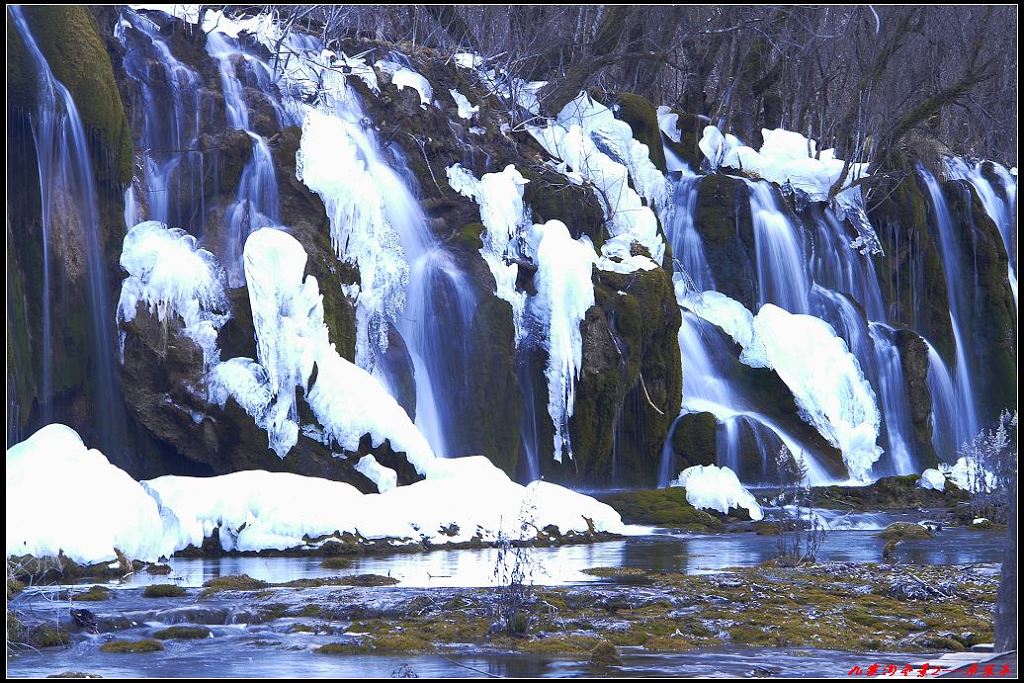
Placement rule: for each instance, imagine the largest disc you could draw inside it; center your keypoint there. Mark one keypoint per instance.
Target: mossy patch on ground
(904, 531)
(336, 563)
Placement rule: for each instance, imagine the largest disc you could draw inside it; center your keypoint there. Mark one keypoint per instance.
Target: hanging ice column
(408, 281)
(67, 191)
(256, 199)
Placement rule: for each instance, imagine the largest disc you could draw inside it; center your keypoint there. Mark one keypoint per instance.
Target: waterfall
(408, 280)
(782, 277)
(686, 243)
(894, 404)
(171, 105)
(804, 268)
(1002, 209)
(69, 201)
(958, 281)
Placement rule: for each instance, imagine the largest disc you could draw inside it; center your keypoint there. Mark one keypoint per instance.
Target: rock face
(914, 361)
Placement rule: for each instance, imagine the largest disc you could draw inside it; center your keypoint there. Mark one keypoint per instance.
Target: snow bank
(932, 479)
(793, 161)
(173, 277)
(499, 82)
(564, 293)
(384, 477)
(970, 475)
(825, 378)
(723, 311)
(63, 497)
(588, 138)
(291, 337)
(716, 488)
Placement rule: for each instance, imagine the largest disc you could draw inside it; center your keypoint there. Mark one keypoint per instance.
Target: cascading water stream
(1002, 209)
(69, 198)
(256, 199)
(172, 181)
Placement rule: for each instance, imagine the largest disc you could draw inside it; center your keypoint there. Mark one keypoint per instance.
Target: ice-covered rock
(716, 488)
(172, 276)
(932, 479)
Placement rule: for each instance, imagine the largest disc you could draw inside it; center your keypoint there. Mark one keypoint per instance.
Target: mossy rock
(94, 594)
(630, 385)
(993, 320)
(691, 130)
(551, 197)
(364, 580)
(336, 563)
(642, 117)
(666, 507)
(339, 649)
(130, 647)
(694, 440)
(240, 582)
(604, 656)
(70, 39)
(158, 569)
(48, 635)
(914, 363)
(901, 219)
(722, 217)
(888, 493)
(183, 633)
(164, 590)
(905, 531)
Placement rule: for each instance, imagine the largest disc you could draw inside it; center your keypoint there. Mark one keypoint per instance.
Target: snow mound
(723, 311)
(468, 499)
(173, 277)
(466, 110)
(404, 77)
(461, 500)
(63, 497)
(932, 479)
(784, 158)
(716, 488)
